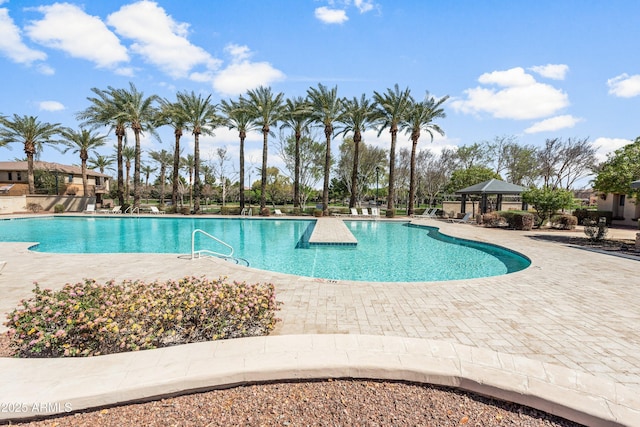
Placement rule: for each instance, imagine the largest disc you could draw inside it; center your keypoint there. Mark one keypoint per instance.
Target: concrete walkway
(564, 334)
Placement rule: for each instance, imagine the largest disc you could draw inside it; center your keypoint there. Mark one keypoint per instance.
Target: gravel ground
(314, 403)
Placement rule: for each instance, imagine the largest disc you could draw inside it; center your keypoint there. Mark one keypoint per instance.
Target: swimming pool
(386, 251)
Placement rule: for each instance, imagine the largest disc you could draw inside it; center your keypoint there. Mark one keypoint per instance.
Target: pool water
(386, 251)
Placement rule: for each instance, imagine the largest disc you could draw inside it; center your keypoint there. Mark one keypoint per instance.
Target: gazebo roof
(635, 184)
(493, 186)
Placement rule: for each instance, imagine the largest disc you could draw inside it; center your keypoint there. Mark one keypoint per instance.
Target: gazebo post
(463, 206)
(499, 203)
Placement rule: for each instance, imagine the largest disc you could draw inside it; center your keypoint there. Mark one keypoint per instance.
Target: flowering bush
(89, 319)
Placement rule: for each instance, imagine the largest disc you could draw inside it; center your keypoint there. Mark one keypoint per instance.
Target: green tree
(164, 159)
(308, 154)
(297, 117)
(463, 178)
(357, 116)
(619, 170)
(105, 111)
(139, 113)
(82, 142)
(201, 119)
(391, 110)
(33, 134)
(420, 116)
(547, 201)
(237, 116)
(100, 162)
(266, 109)
(128, 154)
(326, 109)
(173, 114)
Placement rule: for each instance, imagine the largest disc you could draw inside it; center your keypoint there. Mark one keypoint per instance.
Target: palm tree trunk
(242, 135)
(263, 183)
(392, 169)
(296, 173)
(136, 170)
(120, 133)
(196, 172)
(176, 169)
(412, 179)
(357, 137)
(30, 176)
(327, 168)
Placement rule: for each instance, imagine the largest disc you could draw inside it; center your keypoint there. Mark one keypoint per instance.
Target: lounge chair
(462, 220)
(155, 211)
(2, 264)
(431, 213)
(354, 212)
(375, 212)
(365, 212)
(277, 212)
(116, 210)
(91, 208)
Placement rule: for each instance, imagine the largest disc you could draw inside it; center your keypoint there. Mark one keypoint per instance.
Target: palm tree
(390, 111)
(104, 111)
(237, 116)
(188, 164)
(83, 142)
(128, 154)
(172, 114)
(164, 159)
(201, 119)
(139, 114)
(101, 163)
(265, 108)
(326, 108)
(358, 115)
(420, 116)
(33, 134)
(297, 117)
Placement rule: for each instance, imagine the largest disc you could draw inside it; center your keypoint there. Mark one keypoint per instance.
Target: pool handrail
(203, 251)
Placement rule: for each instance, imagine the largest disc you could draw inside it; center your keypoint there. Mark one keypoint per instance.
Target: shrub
(564, 222)
(59, 208)
(230, 210)
(88, 319)
(317, 213)
(390, 213)
(34, 207)
(492, 219)
(582, 214)
(518, 220)
(596, 231)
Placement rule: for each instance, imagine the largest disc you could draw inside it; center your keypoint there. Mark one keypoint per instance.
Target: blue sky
(534, 69)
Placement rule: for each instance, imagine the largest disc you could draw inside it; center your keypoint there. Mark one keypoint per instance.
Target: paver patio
(571, 308)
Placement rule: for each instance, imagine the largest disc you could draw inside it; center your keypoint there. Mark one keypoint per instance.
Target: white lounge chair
(365, 212)
(116, 210)
(155, 211)
(354, 212)
(462, 220)
(2, 264)
(375, 212)
(430, 213)
(91, 208)
(277, 212)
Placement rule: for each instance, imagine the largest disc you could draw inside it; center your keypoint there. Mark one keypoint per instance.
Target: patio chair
(116, 210)
(430, 213)
(154, 210)
(90, 209)
(277, 212)
(462, 220)
(365, 212)
(354, 212)
(2, 264)
(375, 212)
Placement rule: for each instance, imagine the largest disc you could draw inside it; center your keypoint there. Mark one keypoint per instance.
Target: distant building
(626, 210)
(68, 179)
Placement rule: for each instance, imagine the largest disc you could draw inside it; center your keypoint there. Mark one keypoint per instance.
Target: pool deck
(331, 231)
(562, 335)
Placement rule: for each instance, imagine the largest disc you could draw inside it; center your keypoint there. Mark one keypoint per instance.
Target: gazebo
(635, 184)
(493, 186)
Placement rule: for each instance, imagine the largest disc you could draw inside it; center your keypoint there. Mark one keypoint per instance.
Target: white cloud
(243, 74)
(11, 44)
(363, 6)
(51, 106)
(554, 123)
(521, 97)
(624, 85)
(604, 146)
(331, 16)
(551, 71)
(159, 39)
(68, 28)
